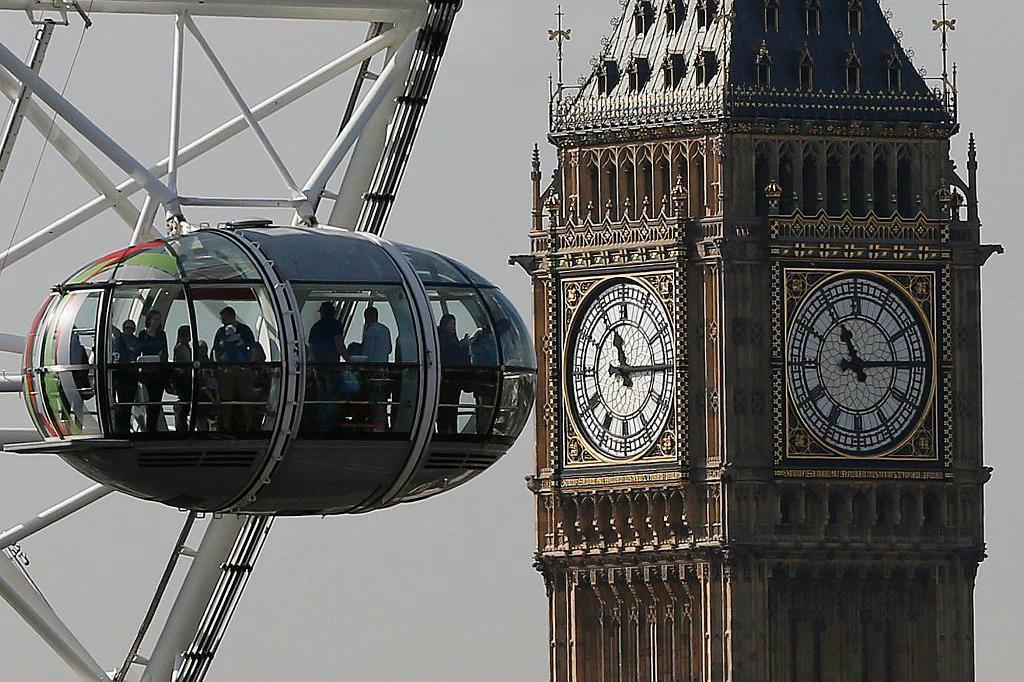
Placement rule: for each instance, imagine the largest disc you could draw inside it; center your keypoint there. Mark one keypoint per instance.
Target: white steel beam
(72, 153)
(144, 227)
(251, 120)
(341, 10)
(176, 74)
(12, 343)
(208, 142)
(80, 122)
(195, 594)
(24, 598)
(365, 157)
(364, 112)
(10, 384)
(35, 62)
(56, 513)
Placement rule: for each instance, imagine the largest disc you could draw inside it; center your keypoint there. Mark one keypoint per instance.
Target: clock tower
(758, 310)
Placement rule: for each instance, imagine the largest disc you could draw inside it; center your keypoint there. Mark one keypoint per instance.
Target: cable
(46, 144)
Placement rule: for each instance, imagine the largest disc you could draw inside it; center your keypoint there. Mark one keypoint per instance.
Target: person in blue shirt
(125, 353)
(235, 344)
(153, 351)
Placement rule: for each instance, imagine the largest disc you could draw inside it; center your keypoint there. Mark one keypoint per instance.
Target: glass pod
(279, 370)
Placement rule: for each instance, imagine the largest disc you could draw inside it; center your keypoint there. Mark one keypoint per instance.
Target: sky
(441, 591)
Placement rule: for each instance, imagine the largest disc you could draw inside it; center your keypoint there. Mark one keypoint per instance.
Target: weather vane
(945, 25)
(560, 35)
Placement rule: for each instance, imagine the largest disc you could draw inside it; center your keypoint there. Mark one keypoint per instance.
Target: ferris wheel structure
(395, 67)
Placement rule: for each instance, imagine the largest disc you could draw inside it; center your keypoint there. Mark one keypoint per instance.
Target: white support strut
(201, 146)
(18, 591)
(371, 103)
(89, 130)
(367, 152)
(54, 514)
(188, 608)
(275, 158)
(176, 75)
(12, 343)
(72, 153)
(9, 383)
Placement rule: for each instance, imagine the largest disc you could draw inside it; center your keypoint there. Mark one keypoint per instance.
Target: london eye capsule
(278, 370)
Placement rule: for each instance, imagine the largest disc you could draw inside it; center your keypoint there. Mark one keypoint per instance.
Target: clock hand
(854, 363)
(620, 346)
(846, 336)
(894, 364)
(623, 373)
(643, 369)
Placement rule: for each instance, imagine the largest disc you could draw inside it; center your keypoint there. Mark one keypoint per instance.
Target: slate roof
(672, 61)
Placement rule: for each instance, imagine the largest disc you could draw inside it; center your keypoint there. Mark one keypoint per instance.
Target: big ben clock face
(621, 370)
(860, 364)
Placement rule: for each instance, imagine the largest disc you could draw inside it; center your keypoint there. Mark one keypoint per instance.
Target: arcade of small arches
(618, 183)
(886, 179)
(785, 177)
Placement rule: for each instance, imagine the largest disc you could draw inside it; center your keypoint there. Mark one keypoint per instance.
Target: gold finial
(945, 25)
(560, 35)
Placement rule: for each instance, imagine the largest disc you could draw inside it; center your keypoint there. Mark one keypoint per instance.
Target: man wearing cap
(326, 349)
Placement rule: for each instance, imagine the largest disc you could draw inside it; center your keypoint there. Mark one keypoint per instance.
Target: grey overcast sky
(442, 591)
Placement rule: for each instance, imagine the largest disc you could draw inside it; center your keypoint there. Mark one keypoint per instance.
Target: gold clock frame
(578, 453)
(797, 445)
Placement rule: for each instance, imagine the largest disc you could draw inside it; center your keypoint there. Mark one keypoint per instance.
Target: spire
(538, 202)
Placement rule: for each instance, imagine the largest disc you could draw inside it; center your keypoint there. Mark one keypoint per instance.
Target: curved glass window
(148, 262)
(142, 374)
(200, 359)
(513, 336)
(64, 351)
(206, 255)
(325, 255)
(237, 355)
(470, 362)
(99, 271)
(433, 268)
(362, 361)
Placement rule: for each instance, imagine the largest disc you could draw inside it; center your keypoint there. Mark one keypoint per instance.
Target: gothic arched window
(673, 70)
(675, 13)
(810, 189)
(905, 200)
(639, 74)
(608, 76)
(643, 17)
(771, 16)
(834, 182)
(855, 17)
(762, 177)
(706, 67)
(705, 13)
(813, 11)
(764, 67)
(858, 184)
(806, 70)
(853, 72)
(894, 69)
